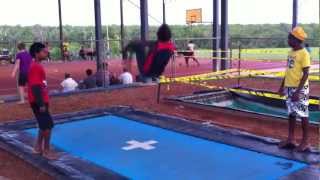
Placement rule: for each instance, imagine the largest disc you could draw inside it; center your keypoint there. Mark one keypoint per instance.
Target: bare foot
(49, 155)
(303, 147)
(36, 150)
(21, 102)
(287, 144)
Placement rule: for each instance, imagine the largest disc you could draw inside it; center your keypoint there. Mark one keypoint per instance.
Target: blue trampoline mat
(141, 151)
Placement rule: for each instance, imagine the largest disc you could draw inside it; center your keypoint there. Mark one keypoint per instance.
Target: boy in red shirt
(39, 99)
(152, 56)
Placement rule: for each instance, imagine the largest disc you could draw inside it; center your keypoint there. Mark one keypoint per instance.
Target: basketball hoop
(193, 16)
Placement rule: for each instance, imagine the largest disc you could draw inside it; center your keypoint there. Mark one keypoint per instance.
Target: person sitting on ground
(90, 81)
(21, 68)
(68, 84)
(113, 79)
(152, 64)
(126, 77)
(296, 87)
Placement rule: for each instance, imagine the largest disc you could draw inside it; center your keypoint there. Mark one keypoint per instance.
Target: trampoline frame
(15, 140)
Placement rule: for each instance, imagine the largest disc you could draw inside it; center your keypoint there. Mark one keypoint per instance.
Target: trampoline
(249, 105)
(124, 143)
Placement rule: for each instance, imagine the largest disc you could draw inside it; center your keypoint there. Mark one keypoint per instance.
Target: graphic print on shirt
(291, 62)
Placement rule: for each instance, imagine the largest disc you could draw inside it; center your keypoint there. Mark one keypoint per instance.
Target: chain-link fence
(76, 50)
(254, 62)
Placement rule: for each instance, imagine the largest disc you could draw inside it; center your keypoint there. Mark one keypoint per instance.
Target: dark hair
(125, 70)
(21, 46)
(296, 40)
(89, 72)
(67, 75)
(36, 48)
(306, 45)
(190, 41)
(164, 33)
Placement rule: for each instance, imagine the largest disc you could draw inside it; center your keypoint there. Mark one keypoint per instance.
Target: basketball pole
(319, 80)
(144, 31)
(295, 14)
(163, 12)
(224, 34)
(99, 38)
(121, 29)
(215, 35)
(60, 29)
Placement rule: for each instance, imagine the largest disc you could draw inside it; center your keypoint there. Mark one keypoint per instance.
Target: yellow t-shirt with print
(297, 60)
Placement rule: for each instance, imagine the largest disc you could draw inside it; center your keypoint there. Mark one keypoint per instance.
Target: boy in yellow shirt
(296, 88)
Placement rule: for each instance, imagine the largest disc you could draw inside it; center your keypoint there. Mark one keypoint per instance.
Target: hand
(42, 109)
(281, 91)
(295, 96)
(13, 75)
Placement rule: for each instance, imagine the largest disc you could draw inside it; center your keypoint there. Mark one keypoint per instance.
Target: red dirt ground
(56, 71)
(141, 98)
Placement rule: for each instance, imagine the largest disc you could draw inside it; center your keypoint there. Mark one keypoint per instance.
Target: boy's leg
(304, 145)
(47, 127)
(290, 142)
(21, 94)
(187, 61)
(46, 141)
(22, 81)
(292, 126)
(196, 60)
(47, 153)
(140, 56)
(38, 147)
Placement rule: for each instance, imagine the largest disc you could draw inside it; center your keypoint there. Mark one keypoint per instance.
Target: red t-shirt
(37, 76)
(158, 47)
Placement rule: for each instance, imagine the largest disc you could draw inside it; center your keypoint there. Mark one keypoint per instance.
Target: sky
(81, 12)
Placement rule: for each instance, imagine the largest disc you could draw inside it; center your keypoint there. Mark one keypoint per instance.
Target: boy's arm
(304, 78)
(281, 89)
(295, 96)
(37, 93)
(150, 44)
(16, 67)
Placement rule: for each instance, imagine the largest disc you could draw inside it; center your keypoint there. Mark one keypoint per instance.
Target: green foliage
(248, 36)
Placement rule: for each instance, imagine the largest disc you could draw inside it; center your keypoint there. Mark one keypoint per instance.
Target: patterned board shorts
(299, 108)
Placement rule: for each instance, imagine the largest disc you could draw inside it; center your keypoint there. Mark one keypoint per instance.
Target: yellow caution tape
(255, 93)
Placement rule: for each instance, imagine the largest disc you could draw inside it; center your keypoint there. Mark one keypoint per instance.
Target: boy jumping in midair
(39, 99)
(152, 56)
(296, 87)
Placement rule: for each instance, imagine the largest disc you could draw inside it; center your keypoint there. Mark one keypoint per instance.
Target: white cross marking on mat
(133, 144)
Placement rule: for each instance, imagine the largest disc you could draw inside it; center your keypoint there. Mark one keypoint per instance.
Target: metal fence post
(239, 64)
